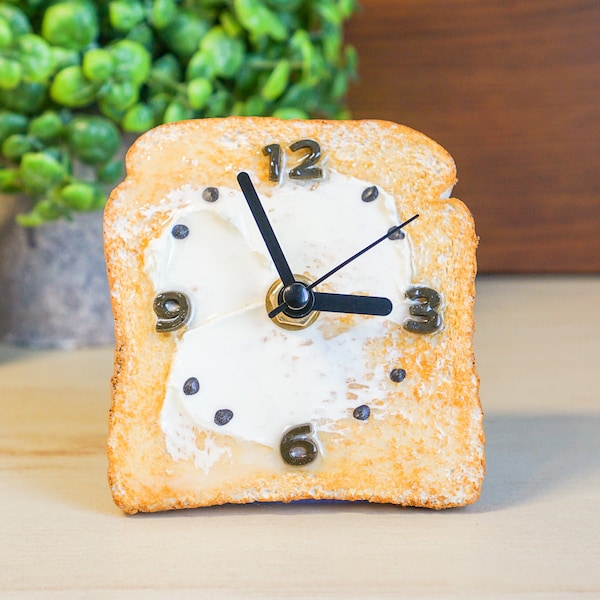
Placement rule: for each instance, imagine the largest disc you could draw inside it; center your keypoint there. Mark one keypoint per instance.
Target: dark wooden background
(512, 90)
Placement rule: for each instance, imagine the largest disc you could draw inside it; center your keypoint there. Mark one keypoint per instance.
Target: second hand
(314, 284)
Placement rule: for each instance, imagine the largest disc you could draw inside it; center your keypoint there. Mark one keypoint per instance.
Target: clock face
(237, 372)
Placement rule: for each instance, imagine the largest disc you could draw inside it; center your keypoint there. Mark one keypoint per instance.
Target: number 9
(172, 309)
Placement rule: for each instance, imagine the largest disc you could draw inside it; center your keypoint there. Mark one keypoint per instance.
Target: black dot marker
(191, 386)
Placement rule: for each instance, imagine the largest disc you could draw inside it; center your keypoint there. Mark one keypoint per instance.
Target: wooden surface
(535, 532)
(512, 91)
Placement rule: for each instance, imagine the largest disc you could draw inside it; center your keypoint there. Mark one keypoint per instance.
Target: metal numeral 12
(307, 169)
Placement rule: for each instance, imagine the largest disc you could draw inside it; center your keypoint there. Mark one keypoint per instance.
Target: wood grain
(512, 91)
(534, 534)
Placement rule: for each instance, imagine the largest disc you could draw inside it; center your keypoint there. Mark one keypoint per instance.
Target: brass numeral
(307, 169)
(297, 446)
(172, 309)
(424, 317)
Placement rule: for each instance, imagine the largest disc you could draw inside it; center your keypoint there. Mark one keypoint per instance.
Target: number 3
(424, 316)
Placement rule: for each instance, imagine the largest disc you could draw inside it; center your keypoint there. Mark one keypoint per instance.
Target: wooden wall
(512, 90)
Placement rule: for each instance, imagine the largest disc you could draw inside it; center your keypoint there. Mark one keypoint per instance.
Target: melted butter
(270, 378)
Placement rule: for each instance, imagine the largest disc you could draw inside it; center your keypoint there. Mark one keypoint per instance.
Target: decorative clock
(293, 309)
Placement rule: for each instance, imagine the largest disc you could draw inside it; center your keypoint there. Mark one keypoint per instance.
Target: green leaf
(10, 123)
(277, 81)
(6, 34)
(48, 210)
(158, 104)
(165, 74)
(163, 13)
(30, 219)
(93, 139)
(10, 181)
(36, 58)
(40, 171)
(329, 11)
(198, 92)
(63, 57)
(138, 118)
(16, 145)
(176, 111)
(16, 18)
(11, 73)
(72, 25)
(124, 15)
(71, 88)
(302, 45)
(46, 126)
(121, 94)
(98, 65)
(184, 33)
(259, 20)
(112, 171)
(28, 98)
(78, 196)
(201, 65)
(290, 113)
(225, 53)
(131, 61)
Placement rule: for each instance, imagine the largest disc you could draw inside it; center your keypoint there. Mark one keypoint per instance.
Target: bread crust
(437, 462)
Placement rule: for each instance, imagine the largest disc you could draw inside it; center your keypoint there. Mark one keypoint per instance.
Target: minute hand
(264, 226)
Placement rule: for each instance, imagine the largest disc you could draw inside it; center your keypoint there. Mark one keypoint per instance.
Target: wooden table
(535, 532)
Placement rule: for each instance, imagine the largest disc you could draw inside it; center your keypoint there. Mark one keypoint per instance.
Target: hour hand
(351, 304)
(299, 300)
(264, 226)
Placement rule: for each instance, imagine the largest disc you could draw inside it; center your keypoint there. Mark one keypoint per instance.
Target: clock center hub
(297, 296)
(298, 312)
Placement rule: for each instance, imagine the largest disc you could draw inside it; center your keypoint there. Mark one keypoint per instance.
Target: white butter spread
(270, 378)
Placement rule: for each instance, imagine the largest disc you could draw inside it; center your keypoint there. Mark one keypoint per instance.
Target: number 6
(298, 447)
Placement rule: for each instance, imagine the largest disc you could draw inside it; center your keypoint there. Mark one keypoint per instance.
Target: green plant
(76, 75)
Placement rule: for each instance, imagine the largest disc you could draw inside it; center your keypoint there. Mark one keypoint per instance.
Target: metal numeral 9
(424, 316)
(172, 309)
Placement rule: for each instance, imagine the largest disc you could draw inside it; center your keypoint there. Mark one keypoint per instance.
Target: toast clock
(293, 308)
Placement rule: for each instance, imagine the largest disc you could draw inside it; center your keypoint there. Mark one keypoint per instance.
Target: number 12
(305, 170)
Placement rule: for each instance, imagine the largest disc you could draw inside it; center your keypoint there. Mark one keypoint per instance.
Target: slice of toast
(212, 401)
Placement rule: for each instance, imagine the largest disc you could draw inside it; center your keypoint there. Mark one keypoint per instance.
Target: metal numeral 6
(298, 447)
(424, 316)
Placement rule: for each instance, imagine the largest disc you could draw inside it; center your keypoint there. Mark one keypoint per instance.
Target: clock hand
(264, 226)
(361, 252)
(309, 288)
(351, 304)
(299, 301)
